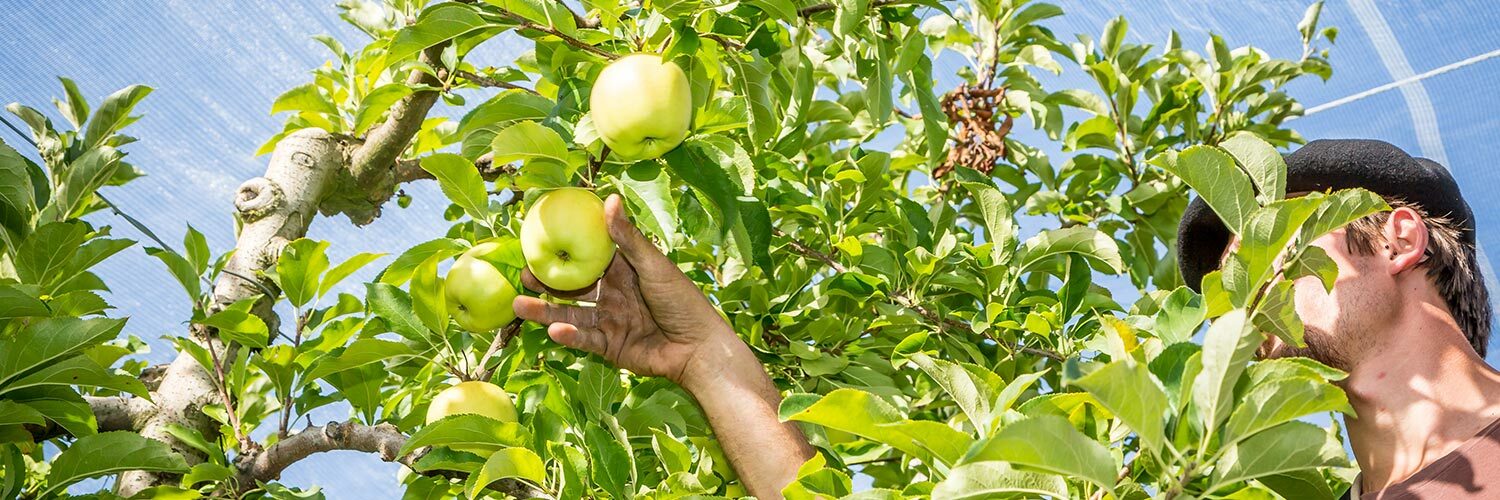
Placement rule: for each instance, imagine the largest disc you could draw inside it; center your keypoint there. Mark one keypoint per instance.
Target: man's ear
(1406, 239)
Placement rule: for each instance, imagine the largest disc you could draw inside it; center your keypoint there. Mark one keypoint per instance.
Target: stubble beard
(1321, 347)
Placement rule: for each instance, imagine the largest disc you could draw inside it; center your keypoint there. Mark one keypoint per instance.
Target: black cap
(1326, 165)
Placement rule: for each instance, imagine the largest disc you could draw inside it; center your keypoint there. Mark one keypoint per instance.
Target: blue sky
(217, 65)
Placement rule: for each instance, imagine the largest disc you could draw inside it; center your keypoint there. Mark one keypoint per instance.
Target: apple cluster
(641, 107)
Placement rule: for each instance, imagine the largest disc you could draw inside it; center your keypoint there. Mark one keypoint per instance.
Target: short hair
(1452, 266)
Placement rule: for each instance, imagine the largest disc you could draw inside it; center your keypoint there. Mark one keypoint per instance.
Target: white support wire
(1404, 81)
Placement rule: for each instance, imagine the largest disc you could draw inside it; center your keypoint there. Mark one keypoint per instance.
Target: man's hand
(648, 317)
(651, 319)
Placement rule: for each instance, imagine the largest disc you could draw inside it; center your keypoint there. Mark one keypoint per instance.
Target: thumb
(638, 250)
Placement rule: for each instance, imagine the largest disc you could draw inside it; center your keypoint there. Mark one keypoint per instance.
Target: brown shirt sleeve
(1470, 471)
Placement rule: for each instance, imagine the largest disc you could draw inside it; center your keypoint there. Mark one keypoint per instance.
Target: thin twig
(727, 42)
(808, 11)
(523, 23)
(485, 81)
(502, 340)
(286, 406)
(582, 22)
(221, 384)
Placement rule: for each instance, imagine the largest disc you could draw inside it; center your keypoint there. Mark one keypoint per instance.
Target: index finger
(531, 283)
(631, 243)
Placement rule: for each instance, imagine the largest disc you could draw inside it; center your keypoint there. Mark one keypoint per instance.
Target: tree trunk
(273, 210)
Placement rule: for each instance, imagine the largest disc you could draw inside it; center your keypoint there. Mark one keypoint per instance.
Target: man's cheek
(1314, 305)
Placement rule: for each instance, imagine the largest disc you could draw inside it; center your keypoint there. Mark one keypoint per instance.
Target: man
(1408, 318)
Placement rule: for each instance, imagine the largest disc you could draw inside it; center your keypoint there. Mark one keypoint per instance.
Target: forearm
(741, 403)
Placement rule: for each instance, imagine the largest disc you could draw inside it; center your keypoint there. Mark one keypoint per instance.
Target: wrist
(722, 363)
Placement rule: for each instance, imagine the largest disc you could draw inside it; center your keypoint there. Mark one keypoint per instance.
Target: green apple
(565, 240)
(478, 294)
(641, 106)
(472, 397)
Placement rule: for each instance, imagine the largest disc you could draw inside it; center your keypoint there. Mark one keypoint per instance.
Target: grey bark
(274, 209)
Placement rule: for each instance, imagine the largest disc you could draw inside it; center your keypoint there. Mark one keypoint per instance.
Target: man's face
(1339, 324)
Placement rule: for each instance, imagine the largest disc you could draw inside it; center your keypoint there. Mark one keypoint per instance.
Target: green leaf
(1127, 389)
(1081, 240)
(849, 15)
(1303, 484)
(1180, 316)
(1081, 99)
(1266, 167)
(861, 413)
(648, 189)
(1267, 232)
(43, 257)
(1114, 36)
(613, 466)
(752, 79)
(1340, 208)
(528, 141)
(436, 24)
(1226, 349)
(999, 223)
(279, 365)
(113, 114)
(503, 109)
(84, 176)
(506, 463)
(460, 180)
(196, 247)
(305, 97)
(344, 269)
(79, 371)
(934, 122)
(470, 430)
(15, 303)
(17, 203)
(875, 74)
(181, 269)
(1314, 261)
(1309, 22)
(574, 469)
(61, 405)
(428, 300)
(1051, 444)
(50, 340)
(375, 104)
(13, 413)
(688, 162)
(237, 324)
(1277, 314)
(360, 353)
(299, 269)
(1213, 174)
(1288, 447)
(780, 10)
(401, 270)
(1039, 56)
(200, 473)
(984, 480)
(394, 306)
(967, 386)
(1274, 402)
(76, 108)
(674, 455)
(110, 453)
(543, 12)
